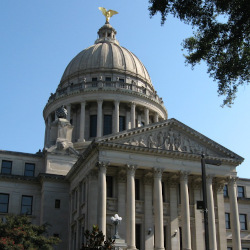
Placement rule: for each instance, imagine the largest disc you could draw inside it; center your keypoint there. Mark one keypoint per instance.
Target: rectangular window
(57, 203)
(4, 203)
(6, 167)
(227, 220)
(241, 193)
(26, 205)
(94, 79)
(121, 79)
(93, 125)
(245, 248)
(29, 169)
(109, 180)
(225, 191)
(243, 221)
(229, 248)
(137, 189)
(163, 191)
(107, 125)
(108, 79)
(138, 236)
(122, 123)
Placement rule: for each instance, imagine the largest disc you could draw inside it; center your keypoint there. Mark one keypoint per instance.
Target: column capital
(184, 175)
(232, 180)
(99, 101)
(83, 103)
(131, 169)
(133, 104)
(158, 172)
(219, 184)
(122, 175)
(116, 102)
(148, 178)
(102, 166)
(210, 178)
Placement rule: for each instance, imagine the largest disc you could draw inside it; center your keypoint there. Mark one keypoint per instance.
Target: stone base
(120, 244)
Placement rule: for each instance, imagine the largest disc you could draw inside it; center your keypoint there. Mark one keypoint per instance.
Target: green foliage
(95, 240)
(220, 38)
(17, 233)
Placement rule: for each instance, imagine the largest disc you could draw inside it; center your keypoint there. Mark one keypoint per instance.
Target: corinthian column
(116, 123)
(102, 199)
(99, 118)
(234, 213)
(82, 122)
(185, 212)
(146, 116)
(211, 215)
(132, 115)
(158, 210)
(131, 206)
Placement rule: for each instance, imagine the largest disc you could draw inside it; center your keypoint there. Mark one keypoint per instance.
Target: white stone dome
(105, 56)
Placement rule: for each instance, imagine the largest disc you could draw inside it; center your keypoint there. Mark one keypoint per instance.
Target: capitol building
(109, 149)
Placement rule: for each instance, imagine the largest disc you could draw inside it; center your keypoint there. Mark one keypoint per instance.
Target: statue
(108, 13)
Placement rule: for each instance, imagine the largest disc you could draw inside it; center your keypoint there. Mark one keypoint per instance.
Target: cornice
(148, 99)
(37, 155)
(19, 178)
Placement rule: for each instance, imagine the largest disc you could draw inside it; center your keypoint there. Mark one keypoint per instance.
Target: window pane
(137, 189)
(109, 180)
(57, 203)
(241, 192)
(93, 125)
(26, 205)
(107, 125)
(243, 222)
(4, 203)
(29, 169)
(225, 191)
(122, 123)
(227, 220)
(6, 167)
(108, 79)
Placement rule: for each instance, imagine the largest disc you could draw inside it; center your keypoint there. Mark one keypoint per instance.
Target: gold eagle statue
(108, 13)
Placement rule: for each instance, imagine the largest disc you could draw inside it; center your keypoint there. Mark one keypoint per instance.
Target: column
(116, 123)
(99, 118)
(148, 211)
(199, 240)
(48, 130)
(92, 197)
(146, 116)
(68, 107)
(131, 206)
(158, 210)
(234, 213)
(156, 117)
(133, 115)
(122, 178)
(175, 236)
(128, 118)
(185, 212)
(211, 215)
(102, 196)
(222, 240)
(82, 122)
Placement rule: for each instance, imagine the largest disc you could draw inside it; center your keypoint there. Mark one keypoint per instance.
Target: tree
(17, 233)
(220, 38)
(95, 240)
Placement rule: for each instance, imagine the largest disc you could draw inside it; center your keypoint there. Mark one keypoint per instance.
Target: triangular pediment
(171, 136)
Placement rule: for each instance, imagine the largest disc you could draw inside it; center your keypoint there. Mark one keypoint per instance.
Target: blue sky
(39, 38)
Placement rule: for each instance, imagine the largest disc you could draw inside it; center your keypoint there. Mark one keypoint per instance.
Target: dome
(105, 56)
(105, 89)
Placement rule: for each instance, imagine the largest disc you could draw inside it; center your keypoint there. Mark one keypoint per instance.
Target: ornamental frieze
(168, 139)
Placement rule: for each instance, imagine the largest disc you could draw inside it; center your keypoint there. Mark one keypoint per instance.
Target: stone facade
(111, 149)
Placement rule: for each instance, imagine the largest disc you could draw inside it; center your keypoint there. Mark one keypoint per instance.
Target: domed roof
(106, 55)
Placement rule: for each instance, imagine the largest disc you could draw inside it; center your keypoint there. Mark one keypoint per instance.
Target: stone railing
(139, 206)
(108, 85)
(112, 204)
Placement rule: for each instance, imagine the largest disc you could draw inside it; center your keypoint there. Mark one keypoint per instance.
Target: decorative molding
(158, 172)
(131, 169)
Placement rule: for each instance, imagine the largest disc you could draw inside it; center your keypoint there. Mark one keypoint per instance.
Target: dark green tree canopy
(220, 38)
(17, 232)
